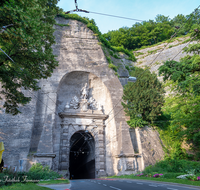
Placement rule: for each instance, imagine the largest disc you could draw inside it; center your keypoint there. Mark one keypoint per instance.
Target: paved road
(118, 184)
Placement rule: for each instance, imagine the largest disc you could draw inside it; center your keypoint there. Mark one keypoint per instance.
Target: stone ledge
(83, 115)
(127, 155)
(51, 155)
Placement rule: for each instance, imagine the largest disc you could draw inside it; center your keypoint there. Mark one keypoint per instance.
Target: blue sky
(137, 9)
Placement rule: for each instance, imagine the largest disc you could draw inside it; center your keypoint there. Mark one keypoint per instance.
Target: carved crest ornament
(84, 103)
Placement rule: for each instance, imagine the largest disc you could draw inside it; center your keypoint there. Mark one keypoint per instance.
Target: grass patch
(180, 181)
(185, 41)
(111, 66)
(65, 181)
(138, 53)
(153, 51)
(22, 186)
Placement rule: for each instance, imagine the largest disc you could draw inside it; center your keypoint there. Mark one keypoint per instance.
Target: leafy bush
(193, 177)
(172, 175)
(116, 57)
(36, 172)
(157, 175)
(112, 67)
(176, 166)
(137, 122)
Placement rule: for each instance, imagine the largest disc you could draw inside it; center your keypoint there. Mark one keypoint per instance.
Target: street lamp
(132, 79)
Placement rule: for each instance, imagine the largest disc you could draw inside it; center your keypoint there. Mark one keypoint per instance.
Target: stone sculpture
(67, 106)
(84, 92)
(92, 103)
(83, 103)
(74, 103)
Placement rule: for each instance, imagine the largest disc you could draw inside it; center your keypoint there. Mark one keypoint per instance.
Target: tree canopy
(182, 105)
(28, 43)
(151, 32)
(144, 98)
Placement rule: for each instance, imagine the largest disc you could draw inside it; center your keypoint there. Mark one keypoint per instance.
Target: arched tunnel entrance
(82, 156)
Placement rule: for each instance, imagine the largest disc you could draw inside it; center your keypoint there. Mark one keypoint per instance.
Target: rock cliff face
(44, 131)
(153, 57)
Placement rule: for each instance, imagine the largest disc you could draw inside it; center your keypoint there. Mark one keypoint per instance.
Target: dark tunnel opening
(82, 156)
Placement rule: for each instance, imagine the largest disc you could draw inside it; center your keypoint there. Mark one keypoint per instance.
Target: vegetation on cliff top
(152, 32)
(92, 25)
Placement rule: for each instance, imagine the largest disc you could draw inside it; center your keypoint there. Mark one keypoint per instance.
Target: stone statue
(92, 103)
(84, 92)
(100, 107)
(67, 106)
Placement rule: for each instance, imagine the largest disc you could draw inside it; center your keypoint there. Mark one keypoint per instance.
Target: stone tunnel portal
(82, 156)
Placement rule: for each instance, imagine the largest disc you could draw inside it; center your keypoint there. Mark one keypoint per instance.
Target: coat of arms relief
(84, 103)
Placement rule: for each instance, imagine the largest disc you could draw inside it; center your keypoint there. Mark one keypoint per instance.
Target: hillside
(145, 57)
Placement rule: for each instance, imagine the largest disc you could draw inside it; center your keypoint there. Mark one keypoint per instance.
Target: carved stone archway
(72, 122)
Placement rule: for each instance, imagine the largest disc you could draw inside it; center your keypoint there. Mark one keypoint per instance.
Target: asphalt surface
(118, 184)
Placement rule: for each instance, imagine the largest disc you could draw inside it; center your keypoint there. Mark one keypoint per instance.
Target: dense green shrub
(36, 172)
(173, 165)
(171, 175)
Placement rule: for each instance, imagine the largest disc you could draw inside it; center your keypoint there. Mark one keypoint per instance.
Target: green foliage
(183, 104)
(175, 166)
(111, 53)
(143, 99)
(57, 181)
(36, 172)
(109, 59)
(172, 175)
(28, 42)
(152, 32)
(22, 186)
(116, 57)
(127, 67)
(137, 122)
(113, 67)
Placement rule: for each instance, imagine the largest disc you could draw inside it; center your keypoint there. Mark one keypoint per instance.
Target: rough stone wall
(78, 50)
(16, 131)
(150, 145)
(38, 129)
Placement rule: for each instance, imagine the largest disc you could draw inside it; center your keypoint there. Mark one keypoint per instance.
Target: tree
(162, 19)
(183, 78)
(144, 98)
(28, 43)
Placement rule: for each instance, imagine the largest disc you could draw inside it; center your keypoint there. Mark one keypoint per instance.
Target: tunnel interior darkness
(82, 156)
